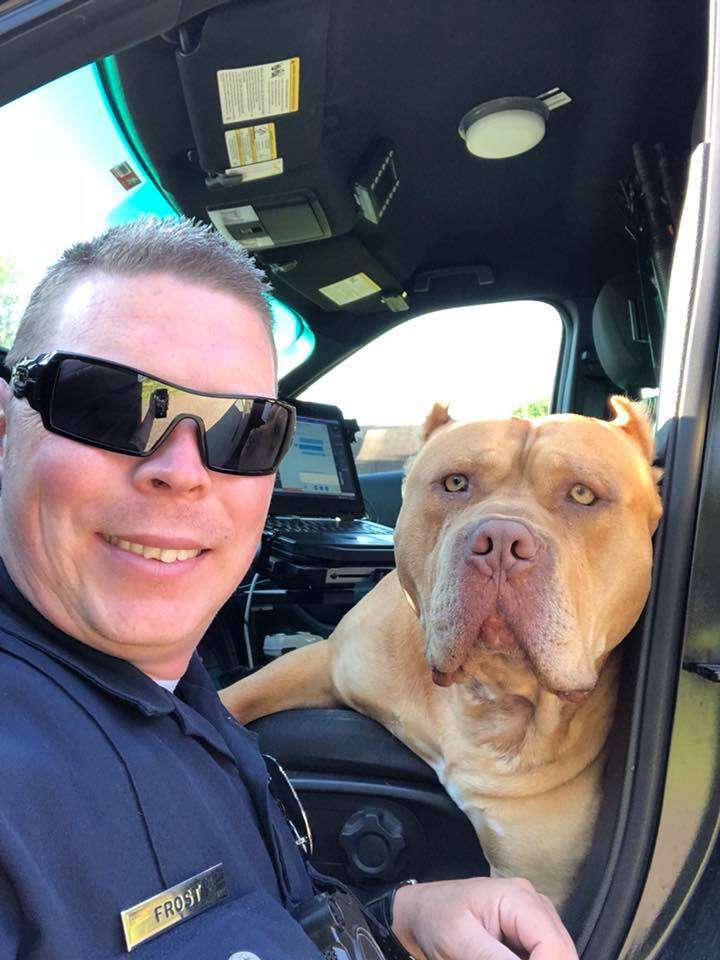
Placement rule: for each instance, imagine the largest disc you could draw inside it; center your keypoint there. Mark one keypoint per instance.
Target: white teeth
(151, 553)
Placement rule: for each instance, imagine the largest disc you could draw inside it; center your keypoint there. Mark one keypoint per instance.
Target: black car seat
(622, 340)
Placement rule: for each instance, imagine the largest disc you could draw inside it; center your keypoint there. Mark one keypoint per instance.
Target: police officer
(134, 812)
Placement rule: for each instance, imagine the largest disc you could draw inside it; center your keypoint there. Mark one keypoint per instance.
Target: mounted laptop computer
(317, 512)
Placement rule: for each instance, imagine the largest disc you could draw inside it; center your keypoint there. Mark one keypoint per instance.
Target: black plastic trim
(41, 40)
(660, 657)
(660, 661)
(339, 742)
(429, 795)
(690, 819)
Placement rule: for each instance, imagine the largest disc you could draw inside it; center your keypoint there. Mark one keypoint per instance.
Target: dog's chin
(496, 637)
(465, 674)
(499, 642)
(534, 624)
(526, 627)
(447, 678)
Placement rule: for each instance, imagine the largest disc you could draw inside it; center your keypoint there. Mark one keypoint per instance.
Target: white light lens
(505, 134)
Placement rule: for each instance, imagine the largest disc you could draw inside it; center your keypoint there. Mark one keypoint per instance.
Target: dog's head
(531, 540)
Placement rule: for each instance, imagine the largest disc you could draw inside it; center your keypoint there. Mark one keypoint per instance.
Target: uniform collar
(112, 674)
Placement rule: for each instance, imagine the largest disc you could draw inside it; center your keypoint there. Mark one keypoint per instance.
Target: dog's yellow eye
(582, 495)
(456, 482)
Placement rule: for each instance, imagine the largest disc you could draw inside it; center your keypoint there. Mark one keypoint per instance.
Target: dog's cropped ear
(437, 418)
(632, 420)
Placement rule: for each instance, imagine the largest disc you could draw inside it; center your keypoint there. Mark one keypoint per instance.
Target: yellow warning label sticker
(246, 145)
(265, 90)
(350, 289)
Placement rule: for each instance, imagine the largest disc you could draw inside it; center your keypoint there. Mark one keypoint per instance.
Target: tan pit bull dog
(524, 556)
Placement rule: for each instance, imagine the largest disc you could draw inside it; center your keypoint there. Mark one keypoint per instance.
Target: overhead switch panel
(272, 222)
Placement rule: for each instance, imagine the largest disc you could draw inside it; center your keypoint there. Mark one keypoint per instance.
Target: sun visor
(301, 206)
(338, 274)
(255, 93)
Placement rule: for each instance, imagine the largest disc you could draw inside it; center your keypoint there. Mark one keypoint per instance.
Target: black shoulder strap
(292, 809)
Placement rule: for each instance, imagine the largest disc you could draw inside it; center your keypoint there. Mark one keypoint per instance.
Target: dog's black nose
(503, 546)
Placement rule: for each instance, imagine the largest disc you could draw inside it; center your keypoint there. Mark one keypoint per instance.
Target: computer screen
(317, 463)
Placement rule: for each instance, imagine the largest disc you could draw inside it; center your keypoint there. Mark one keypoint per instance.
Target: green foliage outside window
(9, 298)
(536, 408)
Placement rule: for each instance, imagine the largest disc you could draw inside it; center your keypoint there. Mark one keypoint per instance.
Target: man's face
(61, 499)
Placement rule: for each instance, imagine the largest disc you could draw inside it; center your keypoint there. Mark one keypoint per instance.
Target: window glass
(492, 360)
(294, 340)
(68, 172)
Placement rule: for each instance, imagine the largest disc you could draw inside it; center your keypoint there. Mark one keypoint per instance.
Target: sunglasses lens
(120, 409)
(97, 403)
(249, 439)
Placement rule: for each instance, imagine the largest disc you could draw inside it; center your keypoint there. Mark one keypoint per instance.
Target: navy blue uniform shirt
(112, 790)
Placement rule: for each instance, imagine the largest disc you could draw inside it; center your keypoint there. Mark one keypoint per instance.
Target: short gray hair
(183, 248)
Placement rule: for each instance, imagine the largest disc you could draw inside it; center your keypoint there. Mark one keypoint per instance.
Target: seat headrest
(617, 313)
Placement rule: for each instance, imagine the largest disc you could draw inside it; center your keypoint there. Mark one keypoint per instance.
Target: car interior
(366, 208)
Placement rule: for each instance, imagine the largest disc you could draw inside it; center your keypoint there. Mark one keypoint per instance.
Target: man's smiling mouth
(164, 554)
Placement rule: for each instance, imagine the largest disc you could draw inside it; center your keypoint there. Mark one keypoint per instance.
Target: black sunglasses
(124, 410)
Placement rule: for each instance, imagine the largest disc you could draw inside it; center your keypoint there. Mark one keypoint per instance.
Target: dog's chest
(463, 791)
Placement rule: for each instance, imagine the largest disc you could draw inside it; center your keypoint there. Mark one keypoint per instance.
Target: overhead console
(272, 221)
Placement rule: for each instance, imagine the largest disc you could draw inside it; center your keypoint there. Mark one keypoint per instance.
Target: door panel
(378, 813)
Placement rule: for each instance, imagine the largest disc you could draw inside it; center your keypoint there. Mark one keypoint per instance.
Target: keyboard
(296, 525)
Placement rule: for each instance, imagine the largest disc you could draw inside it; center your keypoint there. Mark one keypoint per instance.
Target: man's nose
(177, 464)
(503, 547)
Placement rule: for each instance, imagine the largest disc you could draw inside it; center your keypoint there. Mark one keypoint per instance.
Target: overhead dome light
(505, 127)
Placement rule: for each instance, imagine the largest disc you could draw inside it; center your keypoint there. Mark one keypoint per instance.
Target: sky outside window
(485, 361)
(58, 147)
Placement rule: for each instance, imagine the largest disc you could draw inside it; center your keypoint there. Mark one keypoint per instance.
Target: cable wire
(246, 621)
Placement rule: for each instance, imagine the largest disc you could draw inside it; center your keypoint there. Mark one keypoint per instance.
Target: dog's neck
(512, 712)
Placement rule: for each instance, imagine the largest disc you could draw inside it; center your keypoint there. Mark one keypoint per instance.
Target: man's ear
(632, 420)
(5, 395)
(438, 417)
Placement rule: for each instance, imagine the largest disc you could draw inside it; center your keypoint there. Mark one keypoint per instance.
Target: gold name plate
(172, 906)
